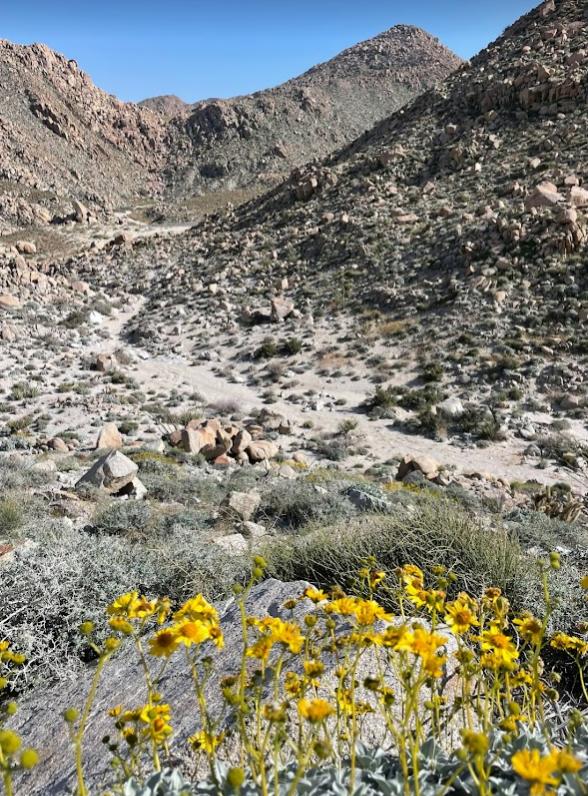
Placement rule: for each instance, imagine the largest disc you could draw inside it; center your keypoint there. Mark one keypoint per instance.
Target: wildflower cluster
(463, 674)
(13, 756)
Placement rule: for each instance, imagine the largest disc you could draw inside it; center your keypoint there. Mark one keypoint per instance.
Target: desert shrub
(130, 517)
(267, 349)
(427, 530)
(292, 504)
(11, 515)
(69, 576)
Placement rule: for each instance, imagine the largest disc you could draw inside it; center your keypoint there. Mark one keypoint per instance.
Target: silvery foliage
(378, 773)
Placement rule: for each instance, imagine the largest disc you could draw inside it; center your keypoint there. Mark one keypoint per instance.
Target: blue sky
(200, 48)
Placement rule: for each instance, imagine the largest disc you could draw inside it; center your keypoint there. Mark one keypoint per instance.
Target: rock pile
(223, 444)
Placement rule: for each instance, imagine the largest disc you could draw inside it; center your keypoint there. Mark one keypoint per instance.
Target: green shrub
(427, 530)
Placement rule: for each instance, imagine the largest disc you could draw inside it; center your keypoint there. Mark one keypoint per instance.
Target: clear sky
(199, 49)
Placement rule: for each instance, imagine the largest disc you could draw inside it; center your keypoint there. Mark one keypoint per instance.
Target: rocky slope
(167, 105)
(463, 214)
(62, 138)
(259, 138)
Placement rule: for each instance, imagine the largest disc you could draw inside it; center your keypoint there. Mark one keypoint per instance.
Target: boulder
(423, 464)
(281, 308)
(57, 444)
(8, 302)
(451, 408)
(112, 472)
(105, 362)
(579, 197)
(243, 504)
(26, 247)
(262, 450)
(233, 543)
(109, 437)
(544, 195)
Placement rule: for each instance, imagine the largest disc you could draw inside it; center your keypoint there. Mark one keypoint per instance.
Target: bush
(69, 576)
(427, 530)
(293, 504)
(11, 515)
(131, 517)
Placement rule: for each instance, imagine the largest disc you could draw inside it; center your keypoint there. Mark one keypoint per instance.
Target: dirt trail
(501, 460)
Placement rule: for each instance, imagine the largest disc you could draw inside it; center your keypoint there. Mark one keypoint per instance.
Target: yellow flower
(260, 649)
(315, 710)
(369, 611)
(190, 633)
(279, 632)
(120, 625)
(572, 644)
(315, 595)
(475, 742)
(530, 628)
(205, 742)
(313, 669)
(460, 615)
(10, 742)
(393, 636)
(565, 762)
(132, 606)
(584, 582)
(197, 609)
(292, 684)
(156, 717)
(288, 634)
(164, 643)
(502, 651)
(344, 606)
(538, 771)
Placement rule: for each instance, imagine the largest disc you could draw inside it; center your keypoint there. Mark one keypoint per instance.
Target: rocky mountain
(167, 105)
(62, 138)
(464, 214)
(259, 138)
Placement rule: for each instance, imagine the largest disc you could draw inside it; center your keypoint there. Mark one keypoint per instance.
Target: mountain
(462, 216)
(167, 105)
(259, 138)
(61, 138)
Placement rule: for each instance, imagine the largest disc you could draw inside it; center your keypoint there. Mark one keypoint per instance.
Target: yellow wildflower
(499, 645)
(203, 741)
(367, 612)
(132, 606)
(460, 615)
(572, 644)
(164, 643)
(565, 762)
(530, 628)
(315, 595)
(315, 710)
(197, 609)
(536, 769)
(475, 742)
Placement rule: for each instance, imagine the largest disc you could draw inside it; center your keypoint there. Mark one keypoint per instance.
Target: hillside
(258, 138)
(62, 138)
(464, 212)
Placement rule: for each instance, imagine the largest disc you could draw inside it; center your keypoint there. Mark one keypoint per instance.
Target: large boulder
(109, 437)
(243, 505)
(422, 464)
(261, 451)
(112, 472)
